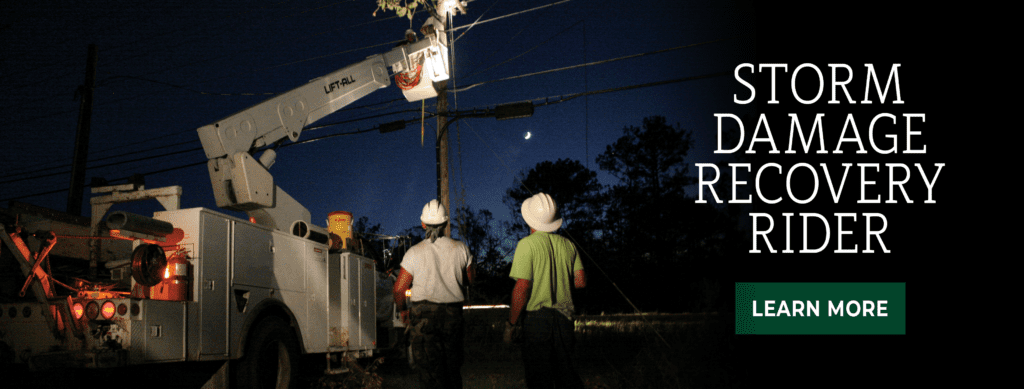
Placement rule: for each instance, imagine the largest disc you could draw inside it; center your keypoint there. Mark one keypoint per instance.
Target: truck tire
(271, 357)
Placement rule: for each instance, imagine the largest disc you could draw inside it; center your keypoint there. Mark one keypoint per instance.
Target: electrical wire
(589, 64)
(131, 98)
(192, 90)
(476, 21)
(527, 51)
(105, 82)
(455, 91)
(547, 101)
(508, 15)
(39, 170)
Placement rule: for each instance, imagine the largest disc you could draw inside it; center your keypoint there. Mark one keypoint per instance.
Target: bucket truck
(207, 286)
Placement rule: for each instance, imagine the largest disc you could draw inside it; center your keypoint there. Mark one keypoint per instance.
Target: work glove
(513, 333)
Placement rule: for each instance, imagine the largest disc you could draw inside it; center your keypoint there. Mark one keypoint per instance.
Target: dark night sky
(233, 47)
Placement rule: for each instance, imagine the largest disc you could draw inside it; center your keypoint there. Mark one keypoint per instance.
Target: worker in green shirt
(545, 266)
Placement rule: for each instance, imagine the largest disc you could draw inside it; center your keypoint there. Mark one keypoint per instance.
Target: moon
(527, 136)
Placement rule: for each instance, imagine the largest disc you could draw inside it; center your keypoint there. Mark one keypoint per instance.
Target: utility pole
(442, 141)
(74, 206)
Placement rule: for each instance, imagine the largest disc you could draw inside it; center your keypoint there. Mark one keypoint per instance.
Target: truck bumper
(78, 359)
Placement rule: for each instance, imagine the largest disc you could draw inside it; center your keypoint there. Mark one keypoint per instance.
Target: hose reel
(148, 264)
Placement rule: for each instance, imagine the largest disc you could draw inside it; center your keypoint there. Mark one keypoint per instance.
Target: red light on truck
(122, 309)
(78, 310)
(108, 310)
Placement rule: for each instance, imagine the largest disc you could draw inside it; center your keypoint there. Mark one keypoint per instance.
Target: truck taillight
(122, 309)
(78, 310)
(108, 310)
(91, 310)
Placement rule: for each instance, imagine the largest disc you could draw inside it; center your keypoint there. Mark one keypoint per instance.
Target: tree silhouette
(480, 232)
(647, 207)
(576, 191)
(476, 231)
(655, 227)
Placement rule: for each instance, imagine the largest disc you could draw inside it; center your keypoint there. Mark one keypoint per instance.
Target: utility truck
(201, 285)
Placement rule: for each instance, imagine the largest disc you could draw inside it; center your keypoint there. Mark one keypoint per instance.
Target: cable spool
(148, 263)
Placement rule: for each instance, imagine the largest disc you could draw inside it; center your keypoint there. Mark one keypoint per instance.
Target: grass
(660, 351)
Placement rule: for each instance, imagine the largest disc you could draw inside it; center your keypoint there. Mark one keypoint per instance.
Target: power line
(527, 51)
(548, 101)
(190, 141)
(477, 20)
(588, 64)
(507, 15)
(149, 157)
(565, 98)
(193, 90)
(193, 63)
(106, 81)
(310, 140)
(67, 165)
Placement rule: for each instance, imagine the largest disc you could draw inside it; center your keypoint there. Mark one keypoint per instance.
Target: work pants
(547, 350)
(437, 344)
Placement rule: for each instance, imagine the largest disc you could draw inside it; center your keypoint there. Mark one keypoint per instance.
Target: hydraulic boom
(242, 183)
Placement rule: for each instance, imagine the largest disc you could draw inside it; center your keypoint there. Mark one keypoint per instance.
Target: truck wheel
(271, 357)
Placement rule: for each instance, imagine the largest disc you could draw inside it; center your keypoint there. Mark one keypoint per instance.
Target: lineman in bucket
(545, 267)
(437, 268)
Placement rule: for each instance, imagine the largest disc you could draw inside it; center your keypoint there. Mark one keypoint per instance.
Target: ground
(612, 352)
(625, 351)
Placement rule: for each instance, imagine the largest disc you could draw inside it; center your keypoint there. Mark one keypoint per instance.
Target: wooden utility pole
(442, 153)
(74, 206)
(442, 141)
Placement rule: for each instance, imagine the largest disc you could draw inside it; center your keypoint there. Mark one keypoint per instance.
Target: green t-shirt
(549, 261)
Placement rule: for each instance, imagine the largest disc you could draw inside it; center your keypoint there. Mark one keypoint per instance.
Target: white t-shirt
(437, 269)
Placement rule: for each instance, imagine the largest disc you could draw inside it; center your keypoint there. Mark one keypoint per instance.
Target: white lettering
(701, 183)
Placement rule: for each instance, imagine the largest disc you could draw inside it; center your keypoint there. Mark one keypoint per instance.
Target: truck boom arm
(243, 183)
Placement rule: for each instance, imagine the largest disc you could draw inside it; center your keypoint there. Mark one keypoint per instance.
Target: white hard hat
(540, 211)
(434, 213)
